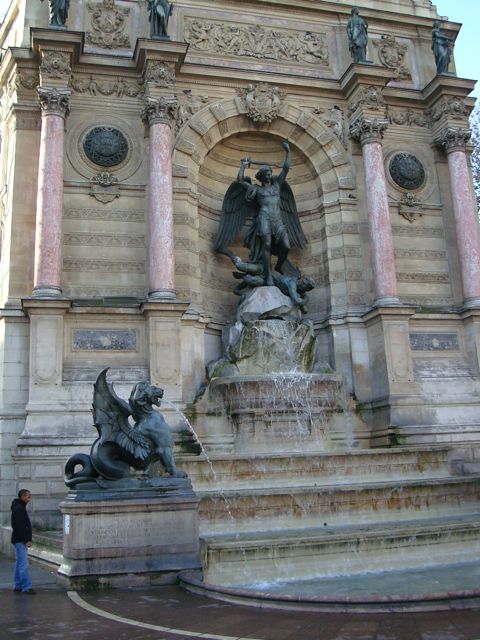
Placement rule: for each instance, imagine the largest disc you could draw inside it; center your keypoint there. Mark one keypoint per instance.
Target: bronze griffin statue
(121, 446)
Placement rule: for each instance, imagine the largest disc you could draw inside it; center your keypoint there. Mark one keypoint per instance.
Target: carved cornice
(160, 110)
(453, 139)
(366, 130)
(54, 101)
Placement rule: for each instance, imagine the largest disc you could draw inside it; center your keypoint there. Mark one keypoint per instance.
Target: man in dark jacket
(21, 539)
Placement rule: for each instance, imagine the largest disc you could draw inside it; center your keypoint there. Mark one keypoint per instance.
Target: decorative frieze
(453, 139)
(407, 118)
(262, 102)
(98, 86)
(55, 64)
(108, 22)
(104, 266)
(392, 55)
(86, 239)
(420, 254)
(256, 41)
(108, 215)
(106, 291)
(414, 232)
(160, 110)
(366, 130)
(54, 101)
(426, 277)
(22, 80)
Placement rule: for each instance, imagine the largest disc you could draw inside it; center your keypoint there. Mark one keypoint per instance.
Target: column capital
(160, 110)
(367, 130)
(54, 101)
(453, 139)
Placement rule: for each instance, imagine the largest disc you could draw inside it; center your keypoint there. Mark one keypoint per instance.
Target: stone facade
(106, 247)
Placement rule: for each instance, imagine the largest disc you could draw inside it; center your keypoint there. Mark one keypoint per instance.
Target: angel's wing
(236, 208)
(290, 216)
(110, 415)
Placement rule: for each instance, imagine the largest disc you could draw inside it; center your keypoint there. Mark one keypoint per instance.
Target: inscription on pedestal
(434, 342)
(104, 340)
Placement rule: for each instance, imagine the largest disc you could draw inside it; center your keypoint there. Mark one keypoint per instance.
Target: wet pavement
(168, 613)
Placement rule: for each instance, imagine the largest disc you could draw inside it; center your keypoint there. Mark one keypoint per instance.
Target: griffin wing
(290, 216)
(110, 415)
(236, 208)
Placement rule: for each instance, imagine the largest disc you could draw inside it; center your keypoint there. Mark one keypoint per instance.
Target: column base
(162, 294)
(387, 301)
(471, 303)
(47, 292)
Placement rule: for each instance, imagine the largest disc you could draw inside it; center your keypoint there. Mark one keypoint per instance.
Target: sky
(467, 55)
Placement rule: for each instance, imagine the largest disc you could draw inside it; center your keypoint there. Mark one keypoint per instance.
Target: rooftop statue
(120, 445)
(159, 12)
(274, 229)
(357, 29)
(58, 12)
(441, 47)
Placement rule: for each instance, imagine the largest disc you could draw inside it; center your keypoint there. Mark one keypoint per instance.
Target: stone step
(442, 434)
(289, 507)
(332, 467)
(332, 551)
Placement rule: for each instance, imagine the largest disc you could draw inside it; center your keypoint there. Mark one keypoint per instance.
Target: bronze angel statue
(275, 226)
(120, 445)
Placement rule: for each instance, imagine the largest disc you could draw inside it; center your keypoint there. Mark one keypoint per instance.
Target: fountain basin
(424, 595)
(284, 411)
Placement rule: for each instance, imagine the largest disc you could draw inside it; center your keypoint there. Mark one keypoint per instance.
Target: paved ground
(167, 613)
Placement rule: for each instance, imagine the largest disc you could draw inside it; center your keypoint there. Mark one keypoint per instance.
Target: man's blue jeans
(21, 577)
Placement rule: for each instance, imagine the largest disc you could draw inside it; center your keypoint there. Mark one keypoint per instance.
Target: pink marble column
(454, 141)
(369, 134)
(55, 106)
(159, 114)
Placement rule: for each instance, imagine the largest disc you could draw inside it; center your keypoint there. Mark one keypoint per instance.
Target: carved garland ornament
(160, 74)
(255, 41)
(108, 25)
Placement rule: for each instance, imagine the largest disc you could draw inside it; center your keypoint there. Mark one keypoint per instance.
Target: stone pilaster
(368, 132)
(453, 140)
(158, 114)
(55, 106)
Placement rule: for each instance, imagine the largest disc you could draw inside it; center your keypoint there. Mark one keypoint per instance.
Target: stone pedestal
(143, 533)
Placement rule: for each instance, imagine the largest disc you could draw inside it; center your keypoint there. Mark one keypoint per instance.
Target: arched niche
(207, 155)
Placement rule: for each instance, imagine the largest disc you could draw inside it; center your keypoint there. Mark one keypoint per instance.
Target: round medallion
(407, 171)
(105, 146)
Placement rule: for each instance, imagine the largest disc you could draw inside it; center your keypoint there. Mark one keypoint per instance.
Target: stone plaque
(105, 146)
(104, 340)
(407, 171)
(434, 342)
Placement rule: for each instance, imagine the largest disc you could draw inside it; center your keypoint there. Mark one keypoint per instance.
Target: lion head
(144, 395)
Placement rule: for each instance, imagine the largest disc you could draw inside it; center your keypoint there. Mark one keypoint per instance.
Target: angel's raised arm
(286, 165)
(245, 162)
